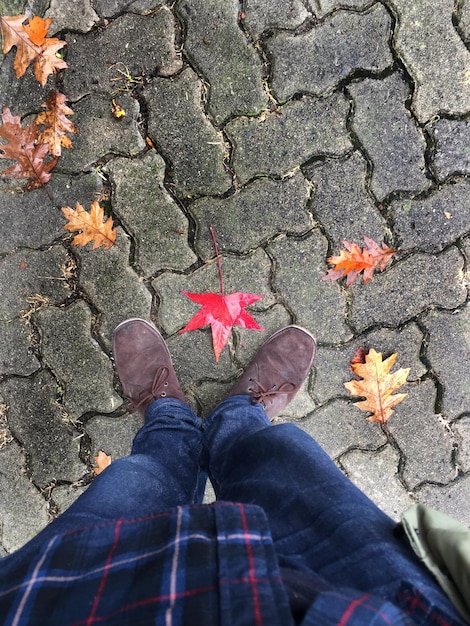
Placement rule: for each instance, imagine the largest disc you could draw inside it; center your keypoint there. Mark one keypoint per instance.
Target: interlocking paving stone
(185, 137)
(284, 139)
(108, 8)
(250, 274)
(28, 277)
(36, 422)
(376, 474)
(23, 510)
(232, 67)
(435, 56)
(76, 359)
(430, 224)
(389, 135)
(452, 499)
(317, 61)
(113, 435)
(252, 215)
(322, 7)
(248, 343)
(408, 288)
(341, 202)
(157, 223)
(309, 296)
(77, 16)
(112, 285)
(422, 438)
(33, 220)
(452, 154)
(261, 15)
(332, 365)
(452, 367)
(100, 133)
(65, 495)
(149, 46)
(464, 21)
(25, 95)
(462, 428)
(338, 426)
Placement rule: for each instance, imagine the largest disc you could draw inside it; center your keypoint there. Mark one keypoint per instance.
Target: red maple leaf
(222, 312)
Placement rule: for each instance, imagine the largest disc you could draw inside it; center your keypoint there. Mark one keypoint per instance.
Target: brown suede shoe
(278, 370)
(143, 364)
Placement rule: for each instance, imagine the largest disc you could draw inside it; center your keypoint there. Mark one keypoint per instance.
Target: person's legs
(163, 469)
(320, 522)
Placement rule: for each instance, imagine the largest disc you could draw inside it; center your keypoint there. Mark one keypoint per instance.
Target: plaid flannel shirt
(200, 565)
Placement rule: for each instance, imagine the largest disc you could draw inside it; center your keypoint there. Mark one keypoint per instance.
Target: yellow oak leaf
(377, 385)
(91, 225)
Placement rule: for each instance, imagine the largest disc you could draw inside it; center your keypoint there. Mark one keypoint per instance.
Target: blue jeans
(320, 522)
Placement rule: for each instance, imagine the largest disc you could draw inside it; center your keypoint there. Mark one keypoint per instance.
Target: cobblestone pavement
(288, 125)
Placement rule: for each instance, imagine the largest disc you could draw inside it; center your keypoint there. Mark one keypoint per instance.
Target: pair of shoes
(272, 379)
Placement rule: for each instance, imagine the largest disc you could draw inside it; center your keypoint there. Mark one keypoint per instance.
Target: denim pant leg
(161, 472)
(320, 522)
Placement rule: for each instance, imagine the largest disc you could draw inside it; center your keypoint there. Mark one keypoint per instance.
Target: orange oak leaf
(377, 385)
(102, 461)
(31, 45)
(221, 312)
(21, 147)
(91, 225)
(56, 124)
(354, 260)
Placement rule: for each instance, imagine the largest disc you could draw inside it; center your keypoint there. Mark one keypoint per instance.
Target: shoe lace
(261, 395)
(159, 382)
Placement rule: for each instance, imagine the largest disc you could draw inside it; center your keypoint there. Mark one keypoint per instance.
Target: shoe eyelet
(165, 384)
(250, 389)
(163, 394)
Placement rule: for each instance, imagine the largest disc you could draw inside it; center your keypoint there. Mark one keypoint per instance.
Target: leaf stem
(219, 265)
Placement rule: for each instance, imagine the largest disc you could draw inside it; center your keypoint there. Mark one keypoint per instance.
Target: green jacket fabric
(443, 544)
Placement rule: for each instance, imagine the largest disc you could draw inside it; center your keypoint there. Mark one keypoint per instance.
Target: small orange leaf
(354, 260)
(377, 385)
(37, 28)
(56, 124)
(91, 225)
(102, 461)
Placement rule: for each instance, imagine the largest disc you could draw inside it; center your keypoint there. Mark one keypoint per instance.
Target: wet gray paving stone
(158, 225)
(432, 223)
(25, 95)
(413, 285)
(100, 133)
(23, 510)
(64, 496)
(462, 428)
(464, 21)
(326, 55)
(341, 203)
(113, 435)
(76, 359)
(252, 215)
(261, 15)
(149, 47)
(376, 474)
(424, 441)
(452, 154)
(249, 274)
(109, 8)
(451, 499)
(338, 427)
(323, 7)
(333, 365)
(16, 355)
(33, 219)
(449, 355)
(248, 342)
(76, 16)
(185, 137)
(232, 67)
(112, 285)
(309, 297)
(434, 55)
(36, 422)
(280, 141)
(389, 136)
